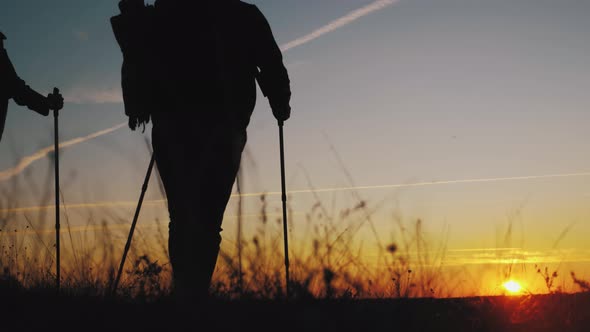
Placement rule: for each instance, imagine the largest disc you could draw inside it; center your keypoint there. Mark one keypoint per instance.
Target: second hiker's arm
(17, 89)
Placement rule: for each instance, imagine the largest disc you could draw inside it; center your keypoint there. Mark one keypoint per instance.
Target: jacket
(198, 61)
(12, 87)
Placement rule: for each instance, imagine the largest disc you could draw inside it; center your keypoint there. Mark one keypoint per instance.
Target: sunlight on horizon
(513, 287)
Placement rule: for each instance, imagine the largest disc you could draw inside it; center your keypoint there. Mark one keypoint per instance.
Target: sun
(513, 287)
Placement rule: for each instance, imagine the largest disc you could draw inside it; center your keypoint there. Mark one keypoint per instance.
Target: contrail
(84, 205)
(308, 191)
(431, 183)
(27, 161)
(112, 227)
(339, 23)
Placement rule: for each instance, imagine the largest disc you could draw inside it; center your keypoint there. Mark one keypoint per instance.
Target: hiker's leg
(198, 170)
(219, 167)
(171, 163)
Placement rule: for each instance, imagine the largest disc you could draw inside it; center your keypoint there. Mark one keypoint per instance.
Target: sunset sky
(402, 92)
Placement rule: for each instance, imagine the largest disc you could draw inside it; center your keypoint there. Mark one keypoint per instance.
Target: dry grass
(329, 258)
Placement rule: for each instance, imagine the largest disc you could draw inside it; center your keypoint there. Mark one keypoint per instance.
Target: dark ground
(33, 311)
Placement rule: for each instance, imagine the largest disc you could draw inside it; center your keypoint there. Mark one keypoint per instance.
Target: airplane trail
(339, 23)
(27, 161)
(113, 227)
(308, 191)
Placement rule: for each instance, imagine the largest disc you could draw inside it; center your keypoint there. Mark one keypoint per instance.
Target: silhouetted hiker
(12, 87)
(192, 66)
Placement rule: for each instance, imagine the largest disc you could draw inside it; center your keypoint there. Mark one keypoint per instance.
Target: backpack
(133, 30)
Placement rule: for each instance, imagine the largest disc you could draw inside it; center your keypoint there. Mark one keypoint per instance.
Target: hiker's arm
(25, 96)
(273, 76)
(22, 94)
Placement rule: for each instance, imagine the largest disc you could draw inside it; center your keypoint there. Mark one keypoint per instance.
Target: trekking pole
(284, 199)
(135, 218)
(57, 214)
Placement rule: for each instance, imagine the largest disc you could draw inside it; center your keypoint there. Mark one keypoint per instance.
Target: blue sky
(422, 90)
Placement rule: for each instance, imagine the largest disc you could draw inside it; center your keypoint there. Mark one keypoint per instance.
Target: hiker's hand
(282, 114)
(136, 121)
(55, 100)
(281, 109)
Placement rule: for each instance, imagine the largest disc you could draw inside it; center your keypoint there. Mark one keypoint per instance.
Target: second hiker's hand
(55, 100)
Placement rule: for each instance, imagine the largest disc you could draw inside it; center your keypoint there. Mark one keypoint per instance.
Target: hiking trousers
(198, 167)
